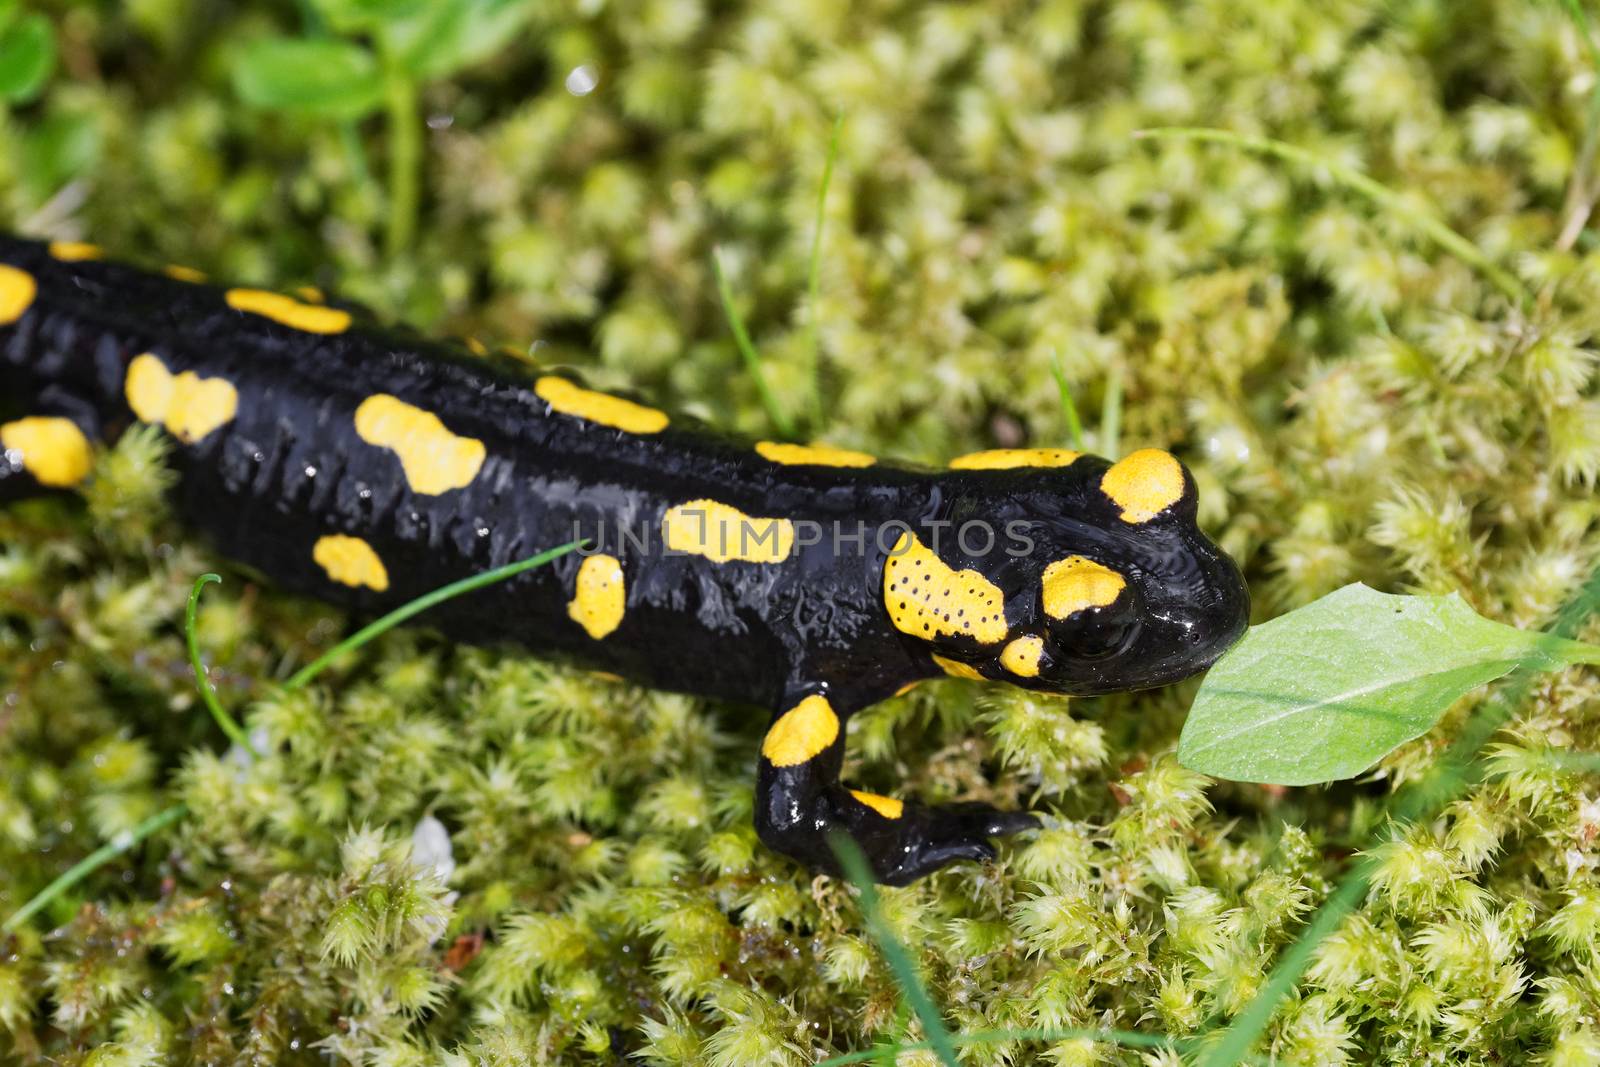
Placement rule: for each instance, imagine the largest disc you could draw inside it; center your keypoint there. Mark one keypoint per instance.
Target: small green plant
(1109, 436)
(1457, 769)
(408, 43)
(229, 726)
(1326, 691)
(741, 336)
(27, 52)
(1400, 208)
(919, 1002)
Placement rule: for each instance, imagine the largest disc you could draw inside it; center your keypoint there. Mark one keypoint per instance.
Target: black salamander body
(367, 466)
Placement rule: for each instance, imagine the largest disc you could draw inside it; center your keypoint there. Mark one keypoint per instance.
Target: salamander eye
(1091, 609)
(1096, 632)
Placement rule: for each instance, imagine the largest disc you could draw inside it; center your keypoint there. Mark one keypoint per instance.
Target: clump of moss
(449, 855)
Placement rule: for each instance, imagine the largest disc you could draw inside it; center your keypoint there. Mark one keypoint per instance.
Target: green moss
(1356, 405)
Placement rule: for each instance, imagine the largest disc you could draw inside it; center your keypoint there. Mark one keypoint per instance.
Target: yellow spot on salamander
(813, 455)
(800, 733)
(350, 561)
(574, 400)
(17, 290)
(721, 532)
(957, 669)
(475, 346)
(1143, 484)
(288, 311)
(189, 406)
(1021, 656)
(995, 459)
(184, 274)
(148, 387)
(434, 459)
(598, 602)
(75, 251)
(50, 448)
(925, 597)
(888, 807)
(1076, 584)
(311, 294)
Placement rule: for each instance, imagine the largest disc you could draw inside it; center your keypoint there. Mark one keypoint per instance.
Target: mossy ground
(1355, 404)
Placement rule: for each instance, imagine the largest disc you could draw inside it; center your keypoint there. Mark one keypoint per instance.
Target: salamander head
(1099, 579)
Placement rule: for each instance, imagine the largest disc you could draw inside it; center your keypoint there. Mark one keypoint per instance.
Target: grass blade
(894, 953)
(421, 604)
(1068, 408)
(813, 279)
(202, 681)
(1382, 196)
(752, 359)
(405, 161)
(1581, 762)
(1111, 414)
(93, 862)
(1124, 1038)
(1579, 201)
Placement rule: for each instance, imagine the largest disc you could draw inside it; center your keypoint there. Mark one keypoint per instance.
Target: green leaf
(357, 16)
(1326, 691)
(9, 10)
(27, 57)
(66, 144)
(451, 34)
(324, 78)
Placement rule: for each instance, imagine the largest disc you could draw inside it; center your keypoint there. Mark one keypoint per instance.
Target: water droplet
(581, 80)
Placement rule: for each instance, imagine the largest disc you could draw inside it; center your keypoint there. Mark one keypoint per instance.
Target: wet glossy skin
(275, 420)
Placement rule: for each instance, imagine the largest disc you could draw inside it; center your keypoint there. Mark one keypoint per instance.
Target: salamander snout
(1150, 600)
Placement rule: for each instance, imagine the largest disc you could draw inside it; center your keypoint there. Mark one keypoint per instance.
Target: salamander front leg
(800, 801)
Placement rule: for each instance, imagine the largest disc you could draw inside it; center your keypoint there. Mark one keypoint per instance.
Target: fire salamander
(366, 466)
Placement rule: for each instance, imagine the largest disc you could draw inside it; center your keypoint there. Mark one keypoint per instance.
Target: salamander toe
(926, 839)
